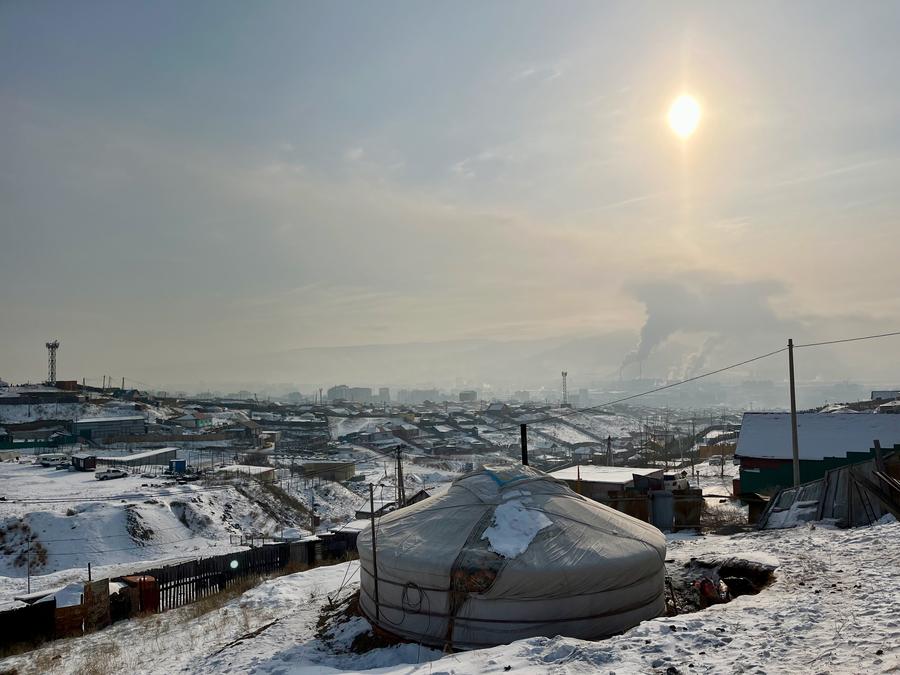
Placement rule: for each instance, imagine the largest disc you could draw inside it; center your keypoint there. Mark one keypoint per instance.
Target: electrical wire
(853, 339)
(671, 385)
(549, 417)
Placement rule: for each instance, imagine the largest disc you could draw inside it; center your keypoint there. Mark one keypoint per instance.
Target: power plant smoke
(719, 311)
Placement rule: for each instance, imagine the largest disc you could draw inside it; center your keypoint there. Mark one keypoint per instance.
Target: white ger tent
(509, 553)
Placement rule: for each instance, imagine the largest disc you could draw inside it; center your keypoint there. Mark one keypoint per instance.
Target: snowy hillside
(123, 521)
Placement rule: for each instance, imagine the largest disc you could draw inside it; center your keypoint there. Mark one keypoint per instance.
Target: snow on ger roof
(768, 435)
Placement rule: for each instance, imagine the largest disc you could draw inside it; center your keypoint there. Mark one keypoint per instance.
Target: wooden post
(374, 555)
(795, 446)
(401, 488)
(523, 434)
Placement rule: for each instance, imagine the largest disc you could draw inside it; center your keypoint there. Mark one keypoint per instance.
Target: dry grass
(723, 519)
(218, 600)
(106, 659)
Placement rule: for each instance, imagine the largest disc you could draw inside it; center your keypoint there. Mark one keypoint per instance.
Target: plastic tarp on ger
(506, 554)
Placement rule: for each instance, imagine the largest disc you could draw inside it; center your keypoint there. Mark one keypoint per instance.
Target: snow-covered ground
(832, 608)
(80, 520)
(334, 503)
(605, 424)
(564, 433)
(16, 414)
(713, 478)
(341, 426)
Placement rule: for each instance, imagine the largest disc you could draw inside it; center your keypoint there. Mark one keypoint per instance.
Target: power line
(853, 339)
(548, 418)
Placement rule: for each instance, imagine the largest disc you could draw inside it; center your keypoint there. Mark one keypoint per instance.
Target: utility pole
(795, 446)
(722, 447)
(693, 442)
(401, 489)
(666, 441)
(374, 556)
(523, 439)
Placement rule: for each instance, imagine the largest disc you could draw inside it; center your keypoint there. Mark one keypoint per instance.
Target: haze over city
(225, 194)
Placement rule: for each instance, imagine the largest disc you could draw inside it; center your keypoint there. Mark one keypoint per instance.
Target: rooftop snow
(621, 475)
(137, 455)
(768, 435)
(245, 468)
(122, 418)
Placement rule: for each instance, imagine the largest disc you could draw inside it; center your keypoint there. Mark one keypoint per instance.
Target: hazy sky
(188, 183)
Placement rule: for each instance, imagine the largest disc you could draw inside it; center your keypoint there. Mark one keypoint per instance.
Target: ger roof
(768, 435)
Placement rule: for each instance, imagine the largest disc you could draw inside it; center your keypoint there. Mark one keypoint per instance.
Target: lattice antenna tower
(565, 392)
(51, 361)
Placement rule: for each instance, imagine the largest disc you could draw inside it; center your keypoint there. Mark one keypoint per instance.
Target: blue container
(177, 465)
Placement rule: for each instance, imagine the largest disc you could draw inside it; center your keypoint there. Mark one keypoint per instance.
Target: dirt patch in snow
(137, 529)
(20, 545)
(343, 629)
(702, 582)
(277, 504)
(192, 518)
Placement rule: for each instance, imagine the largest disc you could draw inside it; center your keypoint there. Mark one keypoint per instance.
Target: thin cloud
(833, 172)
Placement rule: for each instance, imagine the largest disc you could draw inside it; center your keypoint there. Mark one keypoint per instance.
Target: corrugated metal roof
(768, 435)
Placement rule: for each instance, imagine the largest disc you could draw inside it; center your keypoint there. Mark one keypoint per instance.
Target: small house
(83, 461)
(381, 506)
(825, 442)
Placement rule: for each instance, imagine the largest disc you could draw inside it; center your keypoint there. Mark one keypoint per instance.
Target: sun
(684, 116)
